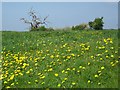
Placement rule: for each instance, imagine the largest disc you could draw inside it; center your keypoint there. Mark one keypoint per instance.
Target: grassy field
(60, 59)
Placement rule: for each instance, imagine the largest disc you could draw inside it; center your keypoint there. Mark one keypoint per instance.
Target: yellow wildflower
(80, 66)
(73, 83)
(12, 84)
(59, 85)
(8, 87)
(68, 57)
(102, 67)
(29, 82)
(73, 69)
(96, 76)
(99, 71)
(65, 78)
(36, 81)
(5, 82)
(50, 69)
(88, 63)
(42, 77)
(43, 83)
(63, 71)
(99, 83)
(68, 68)
(28, 72)
(11, 78)
(73, 54)
(51, 56)
(88, 81)
(56, 74)
(112, 56)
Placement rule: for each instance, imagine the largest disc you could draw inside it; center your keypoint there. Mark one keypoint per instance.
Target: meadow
(60, 59)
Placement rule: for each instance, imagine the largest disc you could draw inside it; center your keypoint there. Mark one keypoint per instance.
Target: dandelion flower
(69, 50)
(63, 81)
(99, 71)
(56, 74)
(73, 69)
(5, 82)
(43, 83)
(51, 56)
(12, 84)
(106, 56)
(65, 78)
(42, 77)
(29, 82)
(112, 56)
(96, 76)
(50, 69)
(106, 51)
(80, 66)
(8, 87)
(113, 64)
(63, 71)
(92, 57)
(88, 63)
(111, 41)
(116, 61)
(59, 85)
(83, 67)
(99, 83)
(28, 72)
(68, 57)
(101, 58)
(102, 67)
(31, 69)
(11, 78)
(66, 72)
(111, 47)
(88, 81)
(36, 81)
(57, 56)
(73, 83)
(73, 54)
(68, 68)
(21, 74)
(78, 71)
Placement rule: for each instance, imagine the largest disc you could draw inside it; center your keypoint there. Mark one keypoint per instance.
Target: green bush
(41, 28)
(97, 24)
(82, 26)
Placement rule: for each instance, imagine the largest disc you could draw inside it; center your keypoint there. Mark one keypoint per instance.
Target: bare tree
(35, 22)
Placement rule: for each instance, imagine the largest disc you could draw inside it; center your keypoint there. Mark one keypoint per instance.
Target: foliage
(97, 24)
(60, 59)
(42, 28)
(82, 26)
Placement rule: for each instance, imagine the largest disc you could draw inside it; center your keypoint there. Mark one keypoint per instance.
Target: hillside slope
(67, 59)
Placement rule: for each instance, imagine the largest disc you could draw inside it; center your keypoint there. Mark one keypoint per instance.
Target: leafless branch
(35, 22)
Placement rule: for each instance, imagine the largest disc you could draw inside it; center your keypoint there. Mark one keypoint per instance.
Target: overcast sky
(61, 14)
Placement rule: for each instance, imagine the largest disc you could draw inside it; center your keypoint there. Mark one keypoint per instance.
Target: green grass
(60, 59)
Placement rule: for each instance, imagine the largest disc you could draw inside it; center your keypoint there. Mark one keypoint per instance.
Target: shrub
(97, 24)
(41, 28)
(82, 26)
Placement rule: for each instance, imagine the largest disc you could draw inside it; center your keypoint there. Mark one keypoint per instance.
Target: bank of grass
(60, 59)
